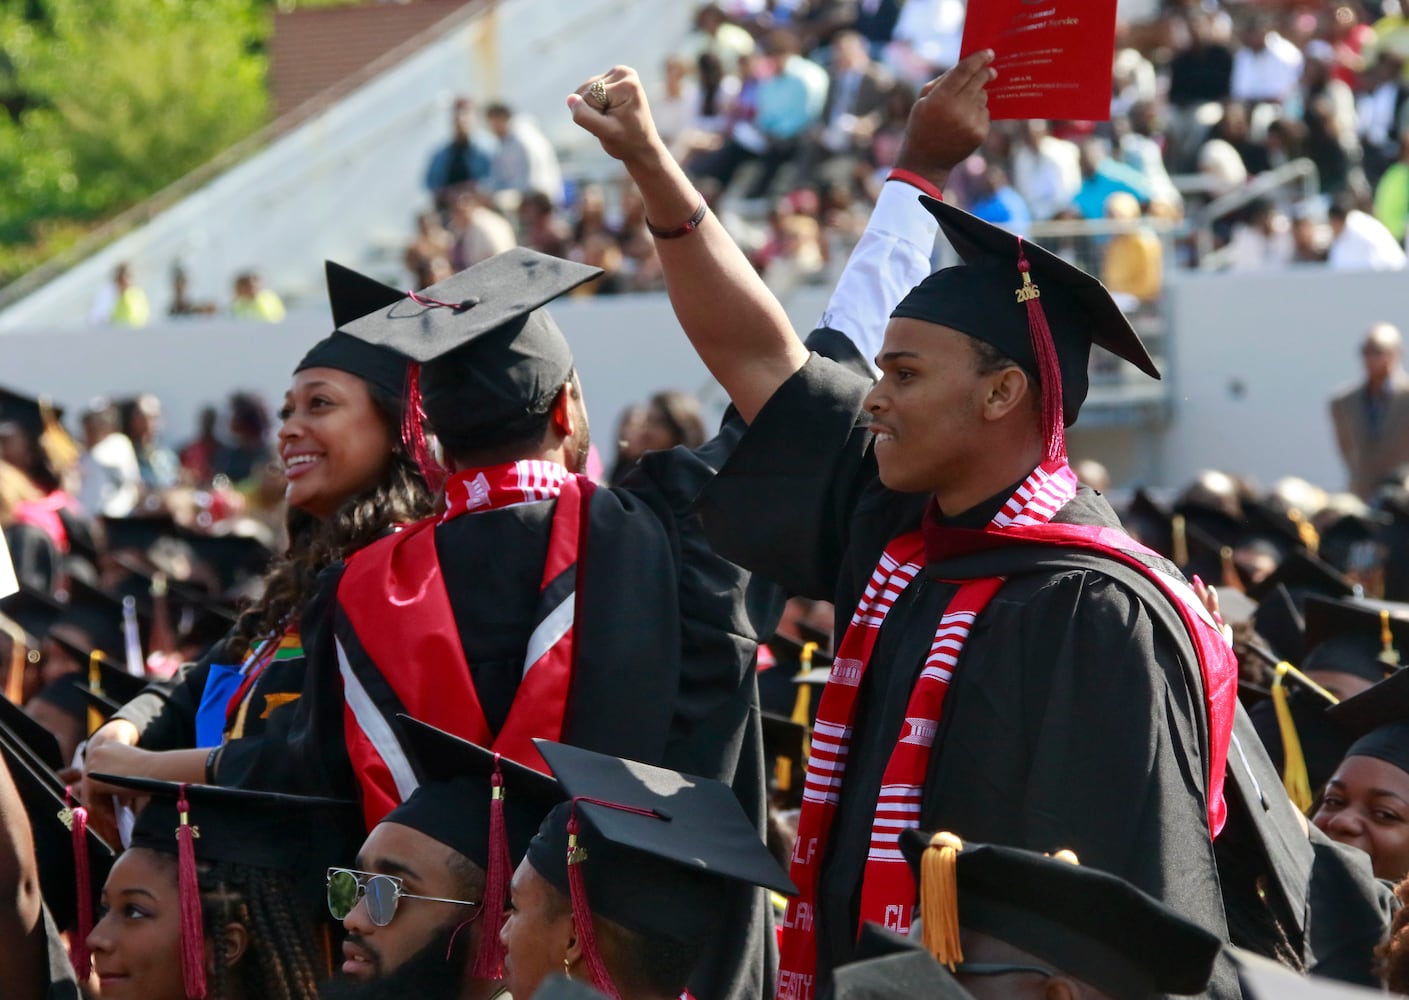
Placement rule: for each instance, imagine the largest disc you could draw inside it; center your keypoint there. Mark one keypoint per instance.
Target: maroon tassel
(188, 887)
(1049, 369)
(582, 914)
(79, 954)
(413, 433)
(489, 959)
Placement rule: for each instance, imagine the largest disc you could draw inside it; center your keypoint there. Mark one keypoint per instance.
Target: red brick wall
(313, 49)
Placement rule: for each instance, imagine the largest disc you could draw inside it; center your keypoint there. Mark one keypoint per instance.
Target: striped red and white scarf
(887, 887)
(499, 486)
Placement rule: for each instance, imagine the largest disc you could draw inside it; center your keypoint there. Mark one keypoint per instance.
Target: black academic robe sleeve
(782, 505)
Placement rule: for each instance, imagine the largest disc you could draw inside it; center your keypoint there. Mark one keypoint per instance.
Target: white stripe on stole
(549, 631)
(371, 721)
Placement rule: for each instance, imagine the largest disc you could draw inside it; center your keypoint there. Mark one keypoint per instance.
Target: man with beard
(423, 906)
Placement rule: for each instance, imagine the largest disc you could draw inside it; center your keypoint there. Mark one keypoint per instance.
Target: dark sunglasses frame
(364, 879)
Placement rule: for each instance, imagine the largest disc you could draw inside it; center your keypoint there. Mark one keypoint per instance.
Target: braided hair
(399, 497)
(279, 960)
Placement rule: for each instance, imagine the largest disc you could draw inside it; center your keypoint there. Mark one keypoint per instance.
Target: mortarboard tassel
(1389, 656)
(1179, 540)
(489, 959)
(802, 705)
(19, 657)
(582, 914)
(132, 638)
(1049, 371)
(188, 887)
(413, 432)
(1294, 775)
(76, 818)
(939, 899)
(56, 443)
(95, 681)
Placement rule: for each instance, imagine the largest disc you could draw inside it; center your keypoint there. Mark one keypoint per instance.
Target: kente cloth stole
(888, 891)
(412, 659)
(887, 882)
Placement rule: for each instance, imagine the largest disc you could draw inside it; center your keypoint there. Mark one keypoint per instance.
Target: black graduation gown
(1072, 720)
(667, 633)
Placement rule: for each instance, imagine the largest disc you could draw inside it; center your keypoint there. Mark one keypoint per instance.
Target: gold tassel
(1179, 541)
(1389, 656)
(802, 705)
(1294, 776)
(14, 680)
(55, 441)
(1305, 530)
(95, 681)
(939, 899)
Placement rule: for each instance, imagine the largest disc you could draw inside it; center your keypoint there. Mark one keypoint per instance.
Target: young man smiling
(1011, 666)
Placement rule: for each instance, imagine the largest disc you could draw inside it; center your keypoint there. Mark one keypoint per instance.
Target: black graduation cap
(353, 296)
(97, 613)
(103, 674)
(1302, 573)
(1378, 719)
(233, 558)
(452, 805)
(33, 611)
(26, 412)
(1279, 621)
(37, 743)
(1087, 923)
(985, 298)
(1264, 979)
(139, 532)
(1272, 522)
(1149, 522)
(785, 751)
(663, 869)
(483, 806)
(492, 344)
(1236, 607)
(1339, 539)
(42, 793)
(1367, 640)
(887, 966)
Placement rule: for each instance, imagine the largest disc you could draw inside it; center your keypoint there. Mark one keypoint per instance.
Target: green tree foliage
(111, 100)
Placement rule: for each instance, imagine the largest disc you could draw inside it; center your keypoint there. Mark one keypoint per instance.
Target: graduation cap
(481, 805)
(353, 296)
(1236, 607)
(139, 532)
(1280, 622)
(1269, 521)
(52, 824)
(34, 612)
(1150, 523)
(1263, 979)
(289, 834)
(1302, 573)
(654, 850)
(233, 558)
(887, 966)
(38, 744)
(482, 336)
(1378, 721)
(1340, 538)
(1366, 639)
(1031, 305)
(1087, 923)
(785, 744)
(102, 685)
(98, 615)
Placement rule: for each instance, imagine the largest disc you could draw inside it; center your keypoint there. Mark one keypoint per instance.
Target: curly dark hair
(399, 497)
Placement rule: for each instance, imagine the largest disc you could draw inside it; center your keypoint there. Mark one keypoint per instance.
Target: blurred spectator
(525, 160)
(1199, 74)
(1102, 176)
(1046, 170)
(1220, 163)
(180, 304)
(1360, 241)
(141, 422)
(630, 443)
(792, 253)
(1392, 31)
(250, 450)
(1261, 240)
(201, 456)
(110, 480)
(1392, 193)
(1350, 38)
(640, 267)
(791, 92)
(1318, 80)
(459, 162)
(1133, 81)
(1136, 147)
(857, 89)
(926, 39)
(672, 419)
(432, 243)
(254, 302)
(675, 106)
(713, 33)
(1309, 235)
(1335, 152)
(1267, 67)
(122, 303)
(1236, 131)
(1133, 264)
(477, 231)
(1381, 110)
(540, 227)
(997, 202)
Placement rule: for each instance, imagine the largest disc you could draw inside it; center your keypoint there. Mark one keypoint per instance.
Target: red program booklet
(1053, 57)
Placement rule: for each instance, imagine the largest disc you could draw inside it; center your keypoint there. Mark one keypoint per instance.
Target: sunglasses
(382, 892)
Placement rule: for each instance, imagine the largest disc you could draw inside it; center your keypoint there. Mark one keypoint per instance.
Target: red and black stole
(393, 596)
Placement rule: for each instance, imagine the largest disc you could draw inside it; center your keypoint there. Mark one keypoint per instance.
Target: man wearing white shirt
(111, 477)
(1046, 170)
(1267, 68)
(1361, 241)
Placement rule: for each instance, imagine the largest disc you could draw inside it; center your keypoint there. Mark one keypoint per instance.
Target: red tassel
(489, 959)
(192, 926)
(413, 433)
(582, 915)
(79, 954)
(1049, 368)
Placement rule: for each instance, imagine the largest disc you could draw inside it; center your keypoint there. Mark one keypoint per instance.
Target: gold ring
(597, 94)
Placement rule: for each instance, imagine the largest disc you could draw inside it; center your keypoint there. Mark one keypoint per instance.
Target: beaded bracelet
(689, 227)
